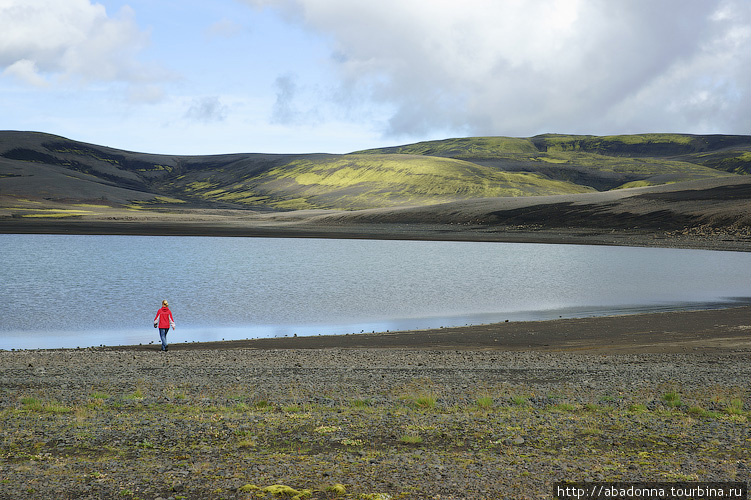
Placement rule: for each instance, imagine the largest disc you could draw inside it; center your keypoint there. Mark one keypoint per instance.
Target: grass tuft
(426, 402)
(485, 402)
(565, 407)
(672, 399)
(699, 412)
(410, 439)
(361, 403)
(246, 443)
(519, 400)
(337, 489)
(637, 408)
(734, 407)
(31, 404)
(57, 409)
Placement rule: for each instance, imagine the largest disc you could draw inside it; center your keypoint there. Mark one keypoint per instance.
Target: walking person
(164, 320)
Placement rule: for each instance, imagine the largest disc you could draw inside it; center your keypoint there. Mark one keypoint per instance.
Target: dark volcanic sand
(721, 330)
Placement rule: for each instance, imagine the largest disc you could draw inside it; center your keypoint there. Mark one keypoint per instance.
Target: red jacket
(165, 318)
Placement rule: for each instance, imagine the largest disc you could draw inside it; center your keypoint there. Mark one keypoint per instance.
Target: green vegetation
(637, 408)
(645, 167)
(365, 181)
(280, 490)
(485, 402)
(454, 169)
(35, 405)
(736, 162)
(200, 186)
(361, 403)
(212, 434)
(564, 407)
(672, 399)
(337, 489)
(426, 402)
(54, 213)
(519, 400)
(277, 490)
(410, 439)
(699, 412)
(637, 184)
(614, 143)
(469, 147)
(31, 404)
(423, 173)
(735, 407)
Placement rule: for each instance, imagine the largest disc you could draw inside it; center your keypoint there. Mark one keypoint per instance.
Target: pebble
(330, 379)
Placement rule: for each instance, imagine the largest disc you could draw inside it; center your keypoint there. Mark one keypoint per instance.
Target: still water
(69, 291)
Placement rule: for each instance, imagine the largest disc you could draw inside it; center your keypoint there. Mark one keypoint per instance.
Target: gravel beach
(382, 421)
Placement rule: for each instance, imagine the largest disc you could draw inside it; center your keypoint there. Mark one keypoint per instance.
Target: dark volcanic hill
(36, 166)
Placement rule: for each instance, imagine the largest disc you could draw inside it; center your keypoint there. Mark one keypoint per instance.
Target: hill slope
(365, 181)
(602, 163)
(40, 167)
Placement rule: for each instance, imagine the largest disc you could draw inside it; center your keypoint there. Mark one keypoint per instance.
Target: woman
(164, 321)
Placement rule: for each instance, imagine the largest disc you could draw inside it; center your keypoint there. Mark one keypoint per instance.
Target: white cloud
(26, 71)
(72, 39)
(520, 67)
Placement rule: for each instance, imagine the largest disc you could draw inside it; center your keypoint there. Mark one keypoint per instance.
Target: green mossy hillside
(636, 145)
(39, 166)
(366, 181)
(465, 147)
(603, 163)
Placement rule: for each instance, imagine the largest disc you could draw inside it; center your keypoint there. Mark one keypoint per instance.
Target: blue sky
(197, 77)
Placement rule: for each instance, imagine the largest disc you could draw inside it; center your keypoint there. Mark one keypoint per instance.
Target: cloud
(26, 71)
(284, 111)
(207, 110)
(295, 104)
(43, 40)
(226, 28)
(518, 67)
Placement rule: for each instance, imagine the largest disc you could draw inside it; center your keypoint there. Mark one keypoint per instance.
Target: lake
(73, 290)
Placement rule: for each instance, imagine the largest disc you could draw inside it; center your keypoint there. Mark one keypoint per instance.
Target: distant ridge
(37, 166)
(637, 145)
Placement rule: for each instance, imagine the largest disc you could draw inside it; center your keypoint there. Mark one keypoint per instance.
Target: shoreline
(234, 226)
(674, 330)
(725, 330)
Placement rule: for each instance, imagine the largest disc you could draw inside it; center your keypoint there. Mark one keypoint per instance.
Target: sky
(302, 76)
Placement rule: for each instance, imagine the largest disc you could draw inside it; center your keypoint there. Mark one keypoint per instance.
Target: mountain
(38, 167)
